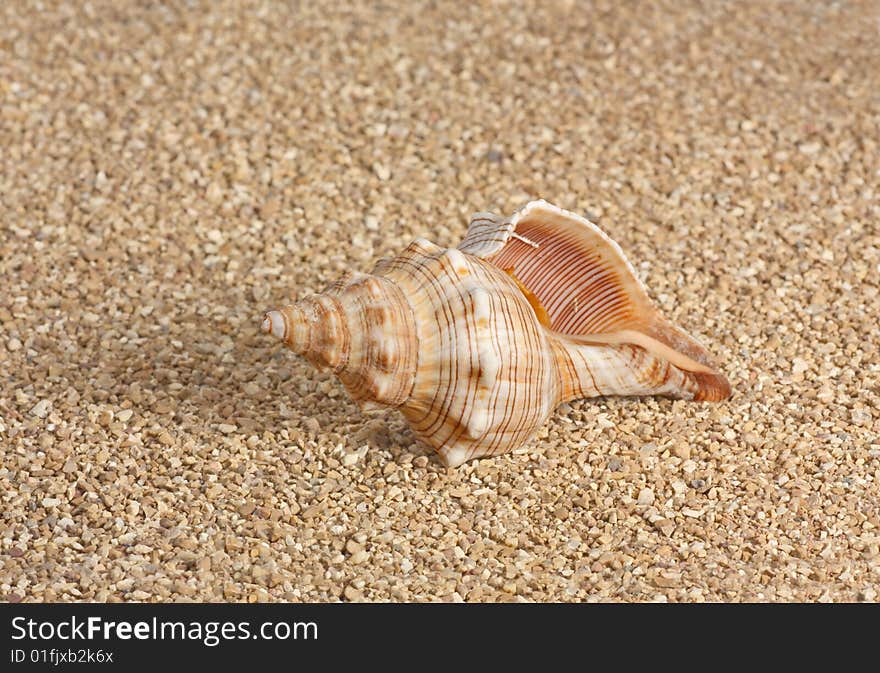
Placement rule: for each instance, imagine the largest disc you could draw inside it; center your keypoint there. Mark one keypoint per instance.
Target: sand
(169, 172)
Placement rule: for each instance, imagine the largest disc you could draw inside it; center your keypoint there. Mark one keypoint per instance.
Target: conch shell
(477, 345)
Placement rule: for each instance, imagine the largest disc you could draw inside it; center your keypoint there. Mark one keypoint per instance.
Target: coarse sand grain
(168, 171)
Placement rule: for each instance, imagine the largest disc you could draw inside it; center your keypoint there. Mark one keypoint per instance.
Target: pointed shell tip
(273, 323)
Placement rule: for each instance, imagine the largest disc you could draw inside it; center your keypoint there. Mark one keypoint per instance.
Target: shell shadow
(200, 377)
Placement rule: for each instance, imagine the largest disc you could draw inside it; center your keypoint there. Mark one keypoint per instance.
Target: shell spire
(314, 328)
(477, 345)
(361, 329)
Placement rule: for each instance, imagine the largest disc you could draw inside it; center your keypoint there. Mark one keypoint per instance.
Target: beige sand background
(168, 172)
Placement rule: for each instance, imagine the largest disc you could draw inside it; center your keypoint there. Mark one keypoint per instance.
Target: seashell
(477, 345)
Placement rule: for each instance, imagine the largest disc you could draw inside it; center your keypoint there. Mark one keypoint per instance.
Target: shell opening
(581, 286)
